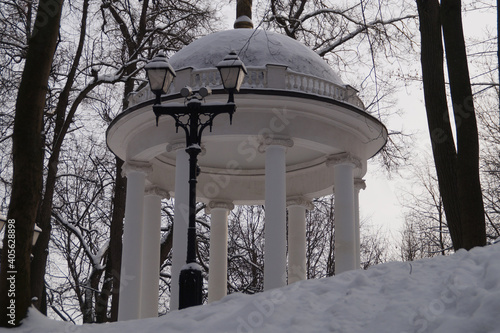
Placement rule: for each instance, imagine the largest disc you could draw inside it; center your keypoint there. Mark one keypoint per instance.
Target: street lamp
(36, 231)
(160, 75)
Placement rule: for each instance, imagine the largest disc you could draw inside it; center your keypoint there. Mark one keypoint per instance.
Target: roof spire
(243, 14)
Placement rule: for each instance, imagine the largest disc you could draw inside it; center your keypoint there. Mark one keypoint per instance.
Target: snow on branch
(360, 29)
(117, 76)
(328, 11)
(96, 258)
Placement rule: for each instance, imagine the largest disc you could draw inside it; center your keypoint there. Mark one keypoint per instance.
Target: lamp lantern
(232, 71)
(160, 75)
(36, 233)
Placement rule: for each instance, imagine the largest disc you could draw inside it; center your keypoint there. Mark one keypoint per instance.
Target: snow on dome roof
(256, 48)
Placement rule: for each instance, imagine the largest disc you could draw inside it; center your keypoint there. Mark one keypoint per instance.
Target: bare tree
(82, 221)
(246, 250)
(28, 161)
(320, 234)
(374, 245)
(457, 167)
(425, 232)
(490, 159)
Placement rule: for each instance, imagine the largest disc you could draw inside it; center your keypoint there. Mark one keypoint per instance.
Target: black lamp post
(193, 118)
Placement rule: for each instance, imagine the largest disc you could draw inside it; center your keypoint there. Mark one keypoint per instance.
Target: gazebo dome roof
(257, 48)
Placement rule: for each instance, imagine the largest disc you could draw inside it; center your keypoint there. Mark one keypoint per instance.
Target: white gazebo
(298, 133)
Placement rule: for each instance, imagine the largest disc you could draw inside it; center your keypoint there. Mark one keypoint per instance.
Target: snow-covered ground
(454, 294)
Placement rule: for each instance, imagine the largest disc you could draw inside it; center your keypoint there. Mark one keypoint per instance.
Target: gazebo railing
(259, 78)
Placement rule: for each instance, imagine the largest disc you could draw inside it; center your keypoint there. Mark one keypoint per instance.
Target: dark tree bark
(111, 284)
(87, 305)
(166, 247)
(457, 169)
(28, 160)
(469, 185)
(102, 298)
(116, 232)
(443, 146)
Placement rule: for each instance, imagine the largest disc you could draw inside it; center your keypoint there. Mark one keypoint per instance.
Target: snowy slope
(459, 293)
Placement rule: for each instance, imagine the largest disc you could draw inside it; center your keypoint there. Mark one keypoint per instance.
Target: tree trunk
(28, 162)
(91, 290)
(469, 185)
(443, 146)
(102, 298)
(113, 267)
(165, 248)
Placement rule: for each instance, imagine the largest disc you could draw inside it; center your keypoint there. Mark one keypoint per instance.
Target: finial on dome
(243, 15)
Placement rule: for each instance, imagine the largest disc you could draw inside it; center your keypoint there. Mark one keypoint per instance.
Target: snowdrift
(458, 293)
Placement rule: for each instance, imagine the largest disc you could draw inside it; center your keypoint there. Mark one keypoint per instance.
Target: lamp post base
(190, 286)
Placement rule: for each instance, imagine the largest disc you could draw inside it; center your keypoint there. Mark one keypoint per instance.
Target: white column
(130, 287)
(345, 243)
(359, 184)
(181, 220)
(217, 277)
(297, 266)
(275, 220)
(151, 237)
